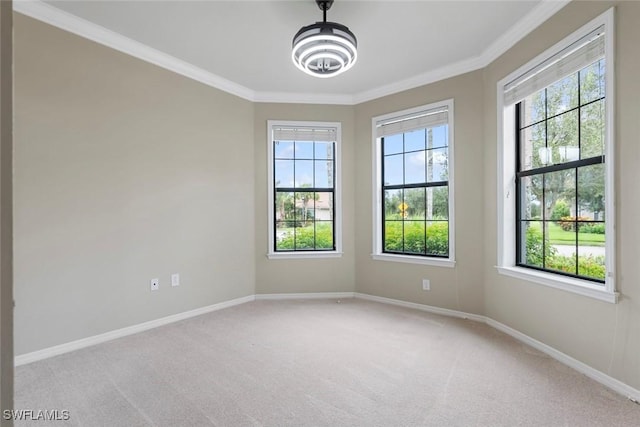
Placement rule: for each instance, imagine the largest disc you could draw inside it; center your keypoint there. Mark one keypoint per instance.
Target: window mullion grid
(295, 211)
(383, 217)
(427, 147)
(275, 200)
(313, 195)
(544, 181)
(404, 182)
(333, 194)
(563, 112)
(577, 214)
(518, 186)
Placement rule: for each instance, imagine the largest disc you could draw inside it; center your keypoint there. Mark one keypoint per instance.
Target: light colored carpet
(318, 363)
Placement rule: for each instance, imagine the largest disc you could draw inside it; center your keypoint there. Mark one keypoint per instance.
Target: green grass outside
(557, 236)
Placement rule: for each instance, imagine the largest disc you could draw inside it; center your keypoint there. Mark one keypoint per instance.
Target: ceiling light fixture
(324, 49)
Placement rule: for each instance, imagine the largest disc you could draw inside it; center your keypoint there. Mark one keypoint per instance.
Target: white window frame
(377, 253)
(337, 194)
(506, 215)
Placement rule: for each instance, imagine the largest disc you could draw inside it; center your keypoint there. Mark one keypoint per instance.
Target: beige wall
(602, 335)
(304, 275)
(6, 210)
(123, 172)
(458, 288)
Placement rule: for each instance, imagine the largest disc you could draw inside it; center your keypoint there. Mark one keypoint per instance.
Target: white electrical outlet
(426, 284)
(155, 284)
(175, 279)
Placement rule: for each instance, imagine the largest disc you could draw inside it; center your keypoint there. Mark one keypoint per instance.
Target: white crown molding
(51, 15)
(58, 18)
(304, 98)
(517, 32)
(432, 76)
(539, 14)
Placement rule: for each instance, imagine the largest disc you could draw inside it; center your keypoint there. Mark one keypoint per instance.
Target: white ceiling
(245, 46)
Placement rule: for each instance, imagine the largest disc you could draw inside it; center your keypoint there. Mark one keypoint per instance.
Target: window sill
(569, 284)
(409, 259)
(304, 255)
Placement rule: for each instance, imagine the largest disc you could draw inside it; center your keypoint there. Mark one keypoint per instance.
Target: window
(304, 189)
(413, 212)
(557, 160)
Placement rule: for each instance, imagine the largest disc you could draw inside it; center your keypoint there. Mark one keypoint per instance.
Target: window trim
(337, 192)
(506, 181)
(377, 253)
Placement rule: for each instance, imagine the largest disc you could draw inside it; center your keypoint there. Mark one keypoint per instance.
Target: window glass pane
(392, 144)
(393, 169)
(304, 173)
(324, 235)
(284, 208)
(591, 252)
(414, 167)
(283, 149)
(562, 95)
(437, 165)
(414, 199)
(284, 173)
(414, 141)
(561, 253)
(531, 197)
(284, 235)
(393, 232)
(393, 204)
(323, 206)
(304, 150)
(562, 137)
(305, 238)
(323, 174)
(591, 192)
(414, 237)
(532, 244)
(559, 191)
(438, 203)
(592, 130)
(438, 238)
(305, 205)
(323, 150)
(533, 153)
(533, 109)
(592, 82)
(438, 137)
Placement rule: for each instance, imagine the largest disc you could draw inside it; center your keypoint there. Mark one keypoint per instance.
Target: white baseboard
(601, 377)
(422, 307)
(23, 359)
(305, 295)
(596, 375)
(604, 379)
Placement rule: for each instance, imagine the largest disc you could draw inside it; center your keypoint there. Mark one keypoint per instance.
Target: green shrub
(436, 241)
(303, 238)
(535, 247)
(588, 266)
(561, 209)
(591, 228)
(568, 223)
